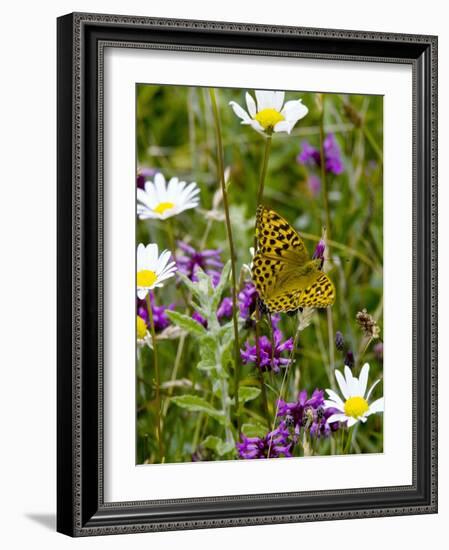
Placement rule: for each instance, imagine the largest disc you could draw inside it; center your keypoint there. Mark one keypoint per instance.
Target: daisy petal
(241, 113)
(283, 126)
(294, 111)
(352, 421)
(370, 391)
(363, 379)
(335, 397)
(141, 293)
(140, 256)
(266, 99)
(337, 417)
(342, 383)
(376, 406)
(328, 404)
(251, 105)
(278, 100)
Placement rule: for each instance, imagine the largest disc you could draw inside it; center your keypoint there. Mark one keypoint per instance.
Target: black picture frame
(81, 509)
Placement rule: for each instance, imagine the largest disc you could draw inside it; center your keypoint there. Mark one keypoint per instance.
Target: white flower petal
(151, 257)
(266, 99)
(294, 111)
(162, 261)
(141, 293)
(376, 406)
(278, 100)
(342, 383)
(363, 379)
(257, 126)
(337, 417)
(329, 404)
(160, 189)
(351, 421)
(335, 397)
(140, 256)
(144, 198)
(283, 126)
(241, 113)
(370, 391)
(251, 105)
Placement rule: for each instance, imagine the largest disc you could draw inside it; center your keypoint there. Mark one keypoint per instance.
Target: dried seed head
(368, 324)
(352, 114)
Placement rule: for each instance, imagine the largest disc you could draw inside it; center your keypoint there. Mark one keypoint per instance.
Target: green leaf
(254, 430)
(221, 285)
(247, 393)
(194, 403)
(185, 322)
(218, 445)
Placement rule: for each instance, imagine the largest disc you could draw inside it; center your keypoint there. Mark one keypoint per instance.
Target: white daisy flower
(143, 335)
(160, 200)
(152, 269)
(271, 113)
(355, 404)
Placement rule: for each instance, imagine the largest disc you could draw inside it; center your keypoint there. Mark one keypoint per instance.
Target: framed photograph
(247, 274)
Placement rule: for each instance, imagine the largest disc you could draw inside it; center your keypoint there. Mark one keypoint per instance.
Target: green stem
(373, 143)
(349, 441)
(157, 380)
(221, 175)
(281, 391)
(263, 171)
(172, 245)
(323, 173)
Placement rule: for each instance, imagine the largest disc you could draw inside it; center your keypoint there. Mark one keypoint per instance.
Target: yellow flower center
(141, 328)
(146, 278)
(268, 118)
(356, 406)
(163, 207)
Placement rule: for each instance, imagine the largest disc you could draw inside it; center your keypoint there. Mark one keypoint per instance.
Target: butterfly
(282, 271)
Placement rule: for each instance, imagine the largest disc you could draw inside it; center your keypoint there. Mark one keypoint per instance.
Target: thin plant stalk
(261, 186)
(221, 174)
(157, 379)
(263, 171)
(330, 328)
(323, 172)
(281, 391)
(174, 374)
(349, 441)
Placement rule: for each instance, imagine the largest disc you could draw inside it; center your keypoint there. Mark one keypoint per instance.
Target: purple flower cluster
(208, 260)
(160, 318)
(270, 353)
(311, 156)
(277, 442)
(143, 174)
(247, 300)
(308, 412)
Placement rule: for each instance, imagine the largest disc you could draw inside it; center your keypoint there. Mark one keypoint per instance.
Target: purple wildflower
(270, 355)
(339, 341)
(314, 184)
(199, 319)
(308, 412)
(318, 254)
(349, 359)
(311, 156)
(379, 351)
(161, 321)
(276, 441)
(208, 260)
(332, 155)
(225, 308)
(142, 175)
(247, 300)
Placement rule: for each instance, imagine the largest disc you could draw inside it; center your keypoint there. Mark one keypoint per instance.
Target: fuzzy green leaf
(194, 403)
(218, 445)
(187, 323)
(248, 393)
(254, 430)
